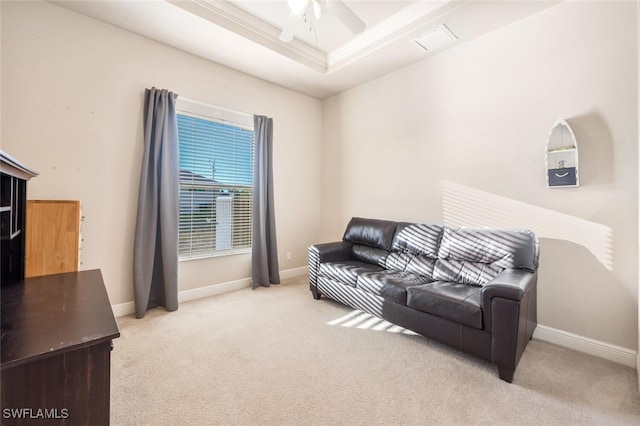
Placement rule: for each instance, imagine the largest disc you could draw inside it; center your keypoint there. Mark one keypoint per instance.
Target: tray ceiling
(319, 62)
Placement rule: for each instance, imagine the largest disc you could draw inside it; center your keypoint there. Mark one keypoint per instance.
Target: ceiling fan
(306, 11)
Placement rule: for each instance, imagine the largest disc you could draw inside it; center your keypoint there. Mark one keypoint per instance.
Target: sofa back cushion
(418, 239)
(371, 238)
(415, 248)
(422, 265)
(369, 254)
(464, 272)
(476, 256)
(398, 260)
(374, 233)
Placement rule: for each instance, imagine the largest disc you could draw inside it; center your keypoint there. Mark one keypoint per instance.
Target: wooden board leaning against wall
(52, 237)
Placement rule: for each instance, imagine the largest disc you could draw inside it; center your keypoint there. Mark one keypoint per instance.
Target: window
(216, 180)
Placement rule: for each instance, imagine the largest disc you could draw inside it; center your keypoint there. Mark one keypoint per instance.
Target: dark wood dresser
(56, 350)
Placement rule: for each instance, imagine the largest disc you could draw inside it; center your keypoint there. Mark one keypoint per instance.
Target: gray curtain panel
(155, 256)
(264, 250)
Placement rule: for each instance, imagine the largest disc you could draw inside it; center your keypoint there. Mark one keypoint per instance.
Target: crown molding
(232, 18)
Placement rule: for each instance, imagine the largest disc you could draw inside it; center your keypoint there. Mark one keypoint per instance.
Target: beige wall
(460, 138)
(72, 95)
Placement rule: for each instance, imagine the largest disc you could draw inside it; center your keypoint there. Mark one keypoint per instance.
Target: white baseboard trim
(213, 290)
(638, 363)
(295, 272)
(129, 308)
(593, 347)
(122, 309)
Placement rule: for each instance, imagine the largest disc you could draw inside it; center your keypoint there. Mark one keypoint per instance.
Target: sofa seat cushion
(390, 284)
(454, 301)
(346, 272)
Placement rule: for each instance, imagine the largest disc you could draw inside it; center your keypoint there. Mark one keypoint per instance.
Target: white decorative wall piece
(562, 157)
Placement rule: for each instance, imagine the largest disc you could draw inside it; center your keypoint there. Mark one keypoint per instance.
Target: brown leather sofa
(473, 289)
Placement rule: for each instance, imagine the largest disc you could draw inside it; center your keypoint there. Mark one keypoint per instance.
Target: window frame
(213, 113)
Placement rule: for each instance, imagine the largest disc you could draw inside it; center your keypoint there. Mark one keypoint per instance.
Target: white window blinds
(216, 179)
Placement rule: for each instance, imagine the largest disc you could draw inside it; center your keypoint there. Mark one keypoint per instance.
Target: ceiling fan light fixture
(438, 37)
(298, 7)
(307, 11)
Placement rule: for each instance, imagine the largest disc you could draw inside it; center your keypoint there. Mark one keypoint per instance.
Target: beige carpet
(275, 356)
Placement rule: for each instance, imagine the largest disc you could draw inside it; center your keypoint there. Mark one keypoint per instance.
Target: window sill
(214, 255)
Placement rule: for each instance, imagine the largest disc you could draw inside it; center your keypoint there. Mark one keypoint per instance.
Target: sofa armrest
(333, 252)
(510, 284)
(327, 252)
(509, 311)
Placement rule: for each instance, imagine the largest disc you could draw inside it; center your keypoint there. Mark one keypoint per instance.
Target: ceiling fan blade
(290, 27)
(346, 15)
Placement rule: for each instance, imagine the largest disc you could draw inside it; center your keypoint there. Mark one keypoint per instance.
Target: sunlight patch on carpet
(365, 321)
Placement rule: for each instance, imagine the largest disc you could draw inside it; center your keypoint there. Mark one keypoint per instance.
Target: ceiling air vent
(436, 38)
